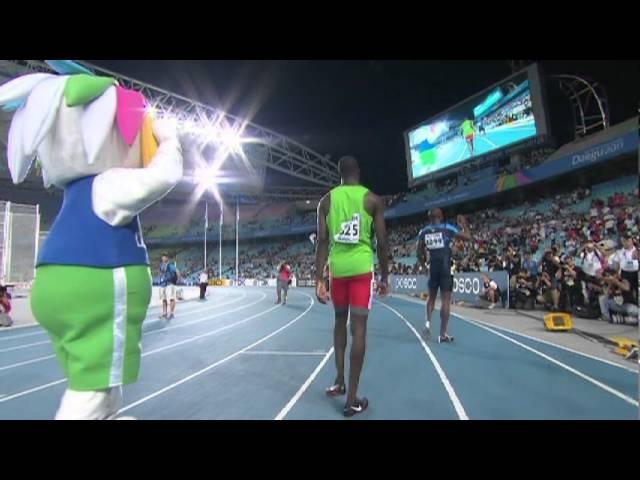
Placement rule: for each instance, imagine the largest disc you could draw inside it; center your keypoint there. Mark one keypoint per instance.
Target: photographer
(525, 290)
(617, 297)
(283, 282)
(530, 265)
(545, 291)
(592, 263)
(5, 307)
(551, 267)
(626, 261)
(491, 292)
(513, 261)
(570, 290)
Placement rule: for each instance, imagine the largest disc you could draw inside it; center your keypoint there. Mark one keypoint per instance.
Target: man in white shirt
(204, 282)
(610, 223)
(625, 261)
(592, 263)
(629, 222)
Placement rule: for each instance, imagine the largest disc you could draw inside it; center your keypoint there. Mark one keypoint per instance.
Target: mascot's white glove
(119, 194)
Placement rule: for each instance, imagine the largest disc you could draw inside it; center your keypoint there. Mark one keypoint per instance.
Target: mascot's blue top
(79, 237)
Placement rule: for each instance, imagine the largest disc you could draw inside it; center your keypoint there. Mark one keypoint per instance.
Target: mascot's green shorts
(72, 303)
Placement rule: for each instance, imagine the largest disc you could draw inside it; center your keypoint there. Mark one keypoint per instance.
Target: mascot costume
(98, 142)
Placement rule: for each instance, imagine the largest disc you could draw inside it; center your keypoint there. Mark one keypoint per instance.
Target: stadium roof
(602, 136)
(268, 150)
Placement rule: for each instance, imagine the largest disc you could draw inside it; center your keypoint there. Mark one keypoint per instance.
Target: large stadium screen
(505, 114)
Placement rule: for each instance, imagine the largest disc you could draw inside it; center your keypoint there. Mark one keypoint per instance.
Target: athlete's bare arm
(375, 207)
(322, 247)
(421, 252)
(464, 234)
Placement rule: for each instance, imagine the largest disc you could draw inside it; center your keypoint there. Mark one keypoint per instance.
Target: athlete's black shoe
(359, 406)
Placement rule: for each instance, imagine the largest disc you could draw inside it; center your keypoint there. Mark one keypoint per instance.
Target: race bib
(434, 241)
(349, 231)
(631, 265)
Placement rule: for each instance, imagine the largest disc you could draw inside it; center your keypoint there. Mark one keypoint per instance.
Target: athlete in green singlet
(348, 218)
(468, 131)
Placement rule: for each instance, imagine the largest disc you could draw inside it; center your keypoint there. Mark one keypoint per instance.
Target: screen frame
(540, 115)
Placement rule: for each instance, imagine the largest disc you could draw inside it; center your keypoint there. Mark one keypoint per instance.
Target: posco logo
(405, 283)
(466, 285)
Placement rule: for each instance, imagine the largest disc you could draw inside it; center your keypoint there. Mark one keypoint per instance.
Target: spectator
(526, 286)
(570, 291)
(5, 307)
(491, 291)
(283, 282)
(168, 280)
(551, 268)
(204, 283)
(625, 261)
(617, 298)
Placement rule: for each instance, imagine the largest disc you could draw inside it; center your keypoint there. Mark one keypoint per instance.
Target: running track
(239, 356)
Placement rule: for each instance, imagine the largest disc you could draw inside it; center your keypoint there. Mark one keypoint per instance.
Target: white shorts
(168, 293)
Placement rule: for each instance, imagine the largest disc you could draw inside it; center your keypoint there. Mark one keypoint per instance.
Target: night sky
(353, 107)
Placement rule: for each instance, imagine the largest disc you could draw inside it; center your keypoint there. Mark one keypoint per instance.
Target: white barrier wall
(267, 282)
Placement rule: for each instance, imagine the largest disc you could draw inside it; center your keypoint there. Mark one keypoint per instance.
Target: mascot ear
(14, 93)
(33, 120)
(19, 162)
(40, 112)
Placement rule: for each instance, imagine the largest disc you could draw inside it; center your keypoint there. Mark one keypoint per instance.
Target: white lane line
(462, 152)
(27, 345)
(209, 317)
(535, 339)
(546, 342)
(488, 141)
(303, 388)
(219, 362)
(32, 390)
(26, 362)
(195, 308)
(578, 373)
(173, 327)
(457, 405)
(151, 352)
(284, 352)
(208, 334)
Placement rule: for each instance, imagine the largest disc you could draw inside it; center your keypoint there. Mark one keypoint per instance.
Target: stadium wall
(467, 287)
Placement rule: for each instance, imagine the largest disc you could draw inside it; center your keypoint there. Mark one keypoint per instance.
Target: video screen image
(482, 124)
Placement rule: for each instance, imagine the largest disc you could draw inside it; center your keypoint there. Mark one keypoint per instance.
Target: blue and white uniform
(438, 240)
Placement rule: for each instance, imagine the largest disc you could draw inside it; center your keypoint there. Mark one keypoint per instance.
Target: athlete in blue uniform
(434, 251)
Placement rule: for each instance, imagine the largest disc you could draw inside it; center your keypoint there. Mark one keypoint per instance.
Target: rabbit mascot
(99, 143)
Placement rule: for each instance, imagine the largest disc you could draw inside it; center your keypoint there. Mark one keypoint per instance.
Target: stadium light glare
(231, 139)
(206, 176)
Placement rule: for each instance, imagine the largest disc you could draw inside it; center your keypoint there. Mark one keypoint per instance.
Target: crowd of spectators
(585, 263)
(558, 256)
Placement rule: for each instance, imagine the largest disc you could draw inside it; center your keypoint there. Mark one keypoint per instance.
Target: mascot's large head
(76, 125)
